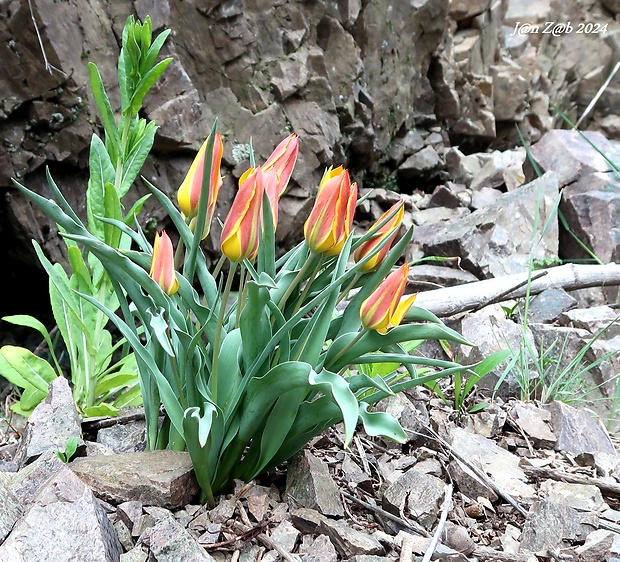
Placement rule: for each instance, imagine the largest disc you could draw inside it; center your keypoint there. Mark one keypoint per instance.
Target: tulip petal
(162, 265)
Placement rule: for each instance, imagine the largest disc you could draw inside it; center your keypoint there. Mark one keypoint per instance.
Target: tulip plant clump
(244, 387)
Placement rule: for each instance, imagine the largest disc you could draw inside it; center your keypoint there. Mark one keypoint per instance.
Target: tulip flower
(188, 195)
(384, 308)
(282, 161)
(162, 266)
(331, 218)
(242, 227)
(388, 230)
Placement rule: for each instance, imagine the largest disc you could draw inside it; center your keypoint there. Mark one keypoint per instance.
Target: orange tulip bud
(331, 218)
(188, 195)
(388, 230)
(162, 266)
(383, 308)
(242, 228)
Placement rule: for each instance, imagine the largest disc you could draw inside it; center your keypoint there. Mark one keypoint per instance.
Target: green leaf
(160, 329)
(338, 388)
(380, 424)
(102, 409)
(254, 322)
(101, 172)
(151, 56)
(35, 371)
(229, 357)
(112, 210)
(145, 84)
(135, 160)
(105, 111)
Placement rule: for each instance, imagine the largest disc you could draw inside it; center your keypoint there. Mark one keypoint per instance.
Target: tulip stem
(346, 290)
(311, 279)
(242, 293)
(178, 255)
(218, 266)
(346, 348)
(298, 278)
(218, 330)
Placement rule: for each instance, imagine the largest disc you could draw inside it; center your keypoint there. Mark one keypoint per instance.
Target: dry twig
(445, 508)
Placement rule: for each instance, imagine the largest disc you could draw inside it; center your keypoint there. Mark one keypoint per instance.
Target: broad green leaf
(254, 322)
(115, 382)
(112, 210)
(35, 371)
(151, 55)
(229, 358)
(31, 397)
(338, 388)
(380, 424)
(102, 409)
(160, 329)
(146, 83)
(101, 172)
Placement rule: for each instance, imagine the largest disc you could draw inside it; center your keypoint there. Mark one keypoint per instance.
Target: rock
(418, 493)
(426, 163)
(443, 196)
(578, 431)
(593, 319)
(493, 173)
(501, 466)
(490, 331)
(457, 538)
(123, 438)
(496, 240)
(136, 554)
(11, 508)
(583, 497)
(529, 11)
(320, 550)
(130, 513)
(549, 305)
(437, 215)
(306, 520)
(424, 276)
(170, 542)
(484, 197)
(599, 545)
(52, 423)
(405, 146)
(309, 484)
(349, 541)
(510, 92)
(591, 206)
(462, 9)
(460, 167)
(549, 525)
(285, 535)
(412, 415)
(612, 5)
(570, 156)
(534, 422)
(65, 522)
(160, 478)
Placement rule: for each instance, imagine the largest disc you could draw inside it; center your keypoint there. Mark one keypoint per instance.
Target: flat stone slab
(158, 478)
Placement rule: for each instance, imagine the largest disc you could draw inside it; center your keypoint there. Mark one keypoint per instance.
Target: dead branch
(445, 508)
(452, 300)
(607, 488)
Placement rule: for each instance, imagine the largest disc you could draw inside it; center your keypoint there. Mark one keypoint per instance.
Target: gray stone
(583, 497)
(462, 9)
(549, 525)
(349, 541)
(136, 554)
(285, 535)
(160, 478)
(493, 173)
(501, 466)
(65, 522)
(570, 156)
(309, 484)
(320, 550)
(592, 209)
(443, 196)
(534, 422)
(11, 508)
(129, 512)
(462, 168)
(549, 305)
(484, 197)
(306, 520)
(593, 319)
(422, 163)
(406, 146)
(612, 5)
(52, 423)
(496, 240)
(123, 438)
(438, 215)
(527, 11)
(510, 92)
(29, 481)
(418, 493)
(578, 431)
(170, 542)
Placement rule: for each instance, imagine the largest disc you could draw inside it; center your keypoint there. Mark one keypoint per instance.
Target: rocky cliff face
(381, 86)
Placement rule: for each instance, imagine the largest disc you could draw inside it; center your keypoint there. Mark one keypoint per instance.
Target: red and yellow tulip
(188, 195)
(331, 218)
(162, 265)
(388, 230)
(242, 227)
(282, 161)
(384, 308)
